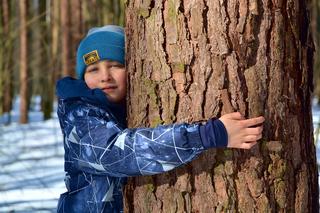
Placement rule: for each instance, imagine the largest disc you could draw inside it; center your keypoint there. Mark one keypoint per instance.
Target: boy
(100, 151)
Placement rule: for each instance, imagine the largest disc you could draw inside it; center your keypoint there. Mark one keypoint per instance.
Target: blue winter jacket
(100, 151)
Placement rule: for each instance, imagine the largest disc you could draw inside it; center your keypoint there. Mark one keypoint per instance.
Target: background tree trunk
(106, 12)
(315, 25)
(77, 29)
(55, 62)
(46, 72)
(193, 60)
(36, 50)
(1, 58)
(23, 62)
(65, 36)
(8, 51)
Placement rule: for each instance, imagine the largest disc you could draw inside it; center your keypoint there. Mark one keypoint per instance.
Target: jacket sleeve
(97, 144)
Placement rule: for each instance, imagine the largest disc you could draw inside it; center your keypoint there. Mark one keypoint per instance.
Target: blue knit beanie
(100, 43)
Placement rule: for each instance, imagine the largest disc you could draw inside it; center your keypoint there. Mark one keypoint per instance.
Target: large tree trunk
(23, 62)
(193, 60)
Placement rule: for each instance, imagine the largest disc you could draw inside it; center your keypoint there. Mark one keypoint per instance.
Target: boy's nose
(105, 75)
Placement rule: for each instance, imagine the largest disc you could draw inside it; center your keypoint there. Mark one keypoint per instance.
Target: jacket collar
(69, 87)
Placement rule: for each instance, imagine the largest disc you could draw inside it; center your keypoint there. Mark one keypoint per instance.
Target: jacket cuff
(213, 134)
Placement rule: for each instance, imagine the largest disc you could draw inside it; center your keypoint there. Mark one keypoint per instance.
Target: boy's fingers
(253, 121)
(253, 137)
(250, 138)
(235, 116)
(254, 131)
(248, 145)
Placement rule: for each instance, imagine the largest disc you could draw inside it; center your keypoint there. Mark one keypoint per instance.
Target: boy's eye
(93, 69)
(117, 65)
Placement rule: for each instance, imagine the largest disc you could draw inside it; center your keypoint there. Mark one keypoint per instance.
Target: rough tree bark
(193, 60)
(23, 62)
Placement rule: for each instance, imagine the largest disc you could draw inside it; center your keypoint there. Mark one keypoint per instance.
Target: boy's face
(110, 76)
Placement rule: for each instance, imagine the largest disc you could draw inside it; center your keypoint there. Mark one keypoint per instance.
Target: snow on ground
(316, 125)
(31, 159)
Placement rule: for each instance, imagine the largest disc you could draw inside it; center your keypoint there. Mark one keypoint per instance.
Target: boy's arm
(98, 145)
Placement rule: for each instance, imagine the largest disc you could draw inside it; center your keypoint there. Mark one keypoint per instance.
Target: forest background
(38, 43)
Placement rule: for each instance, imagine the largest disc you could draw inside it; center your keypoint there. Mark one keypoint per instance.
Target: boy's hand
(241, 133)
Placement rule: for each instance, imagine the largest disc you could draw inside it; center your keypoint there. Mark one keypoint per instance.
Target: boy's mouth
(109, 88)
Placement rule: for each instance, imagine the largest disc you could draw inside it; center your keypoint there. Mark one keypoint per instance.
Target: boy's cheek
(90, 83)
